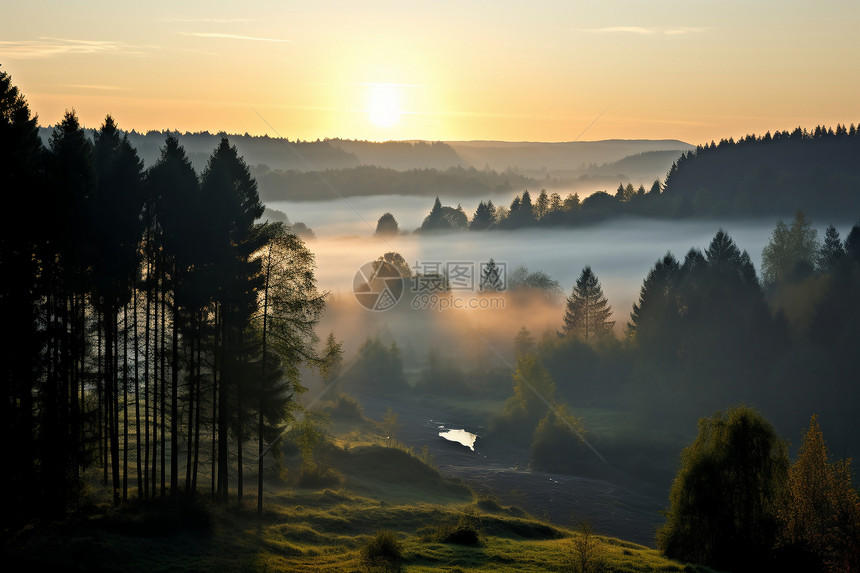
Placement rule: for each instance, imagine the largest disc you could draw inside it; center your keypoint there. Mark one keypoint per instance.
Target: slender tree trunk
(74, 418)
(125, 403)
(263, 375)
(163, 383)
(110, 398)
(137, 434)
(83, 369)
(146, 361)
(115, 461)
(215, 381)
(174, 394)
(240, 465)
(156, 354)
(100, 434)
(226, 375)
(197, 404)
(189, 440)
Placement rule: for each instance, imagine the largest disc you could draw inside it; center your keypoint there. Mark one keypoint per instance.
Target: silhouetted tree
(232, 205)
(571, 203)
(655, 312)
(386, 225)
(852, 243)
(820, 511)
(176, 201)
(67, 259)
(542, 206)
(116, 229)
(831, 251)
(524, 281)
(534, 389)
(396, 261)
(291, 307)
(791, 252)
(491, 277)
(723, 500)
(524, 342)
(378, 369)
(587, 312)
(445, 218)
(21, 247)
(484, 216)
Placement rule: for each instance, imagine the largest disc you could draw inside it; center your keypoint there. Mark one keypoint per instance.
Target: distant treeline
(279, 185)
(817, 172)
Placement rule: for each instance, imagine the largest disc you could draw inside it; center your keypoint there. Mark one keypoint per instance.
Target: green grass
(306, 529)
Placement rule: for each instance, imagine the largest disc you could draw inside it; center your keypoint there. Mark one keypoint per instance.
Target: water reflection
(461, 437)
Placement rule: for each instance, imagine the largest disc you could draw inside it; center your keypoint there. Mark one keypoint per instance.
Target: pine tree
(831, 251)
(491, 277)
(21, 160)
(587, 313)
(484, 216)
(791, 251)
(542, 205)
(175, 194)
(66, 258)
(852, 244)
(571, 203)
(434, 220)
(232, 204)
(820, 512)
(653, 315)
(524, 342)
(116, 230)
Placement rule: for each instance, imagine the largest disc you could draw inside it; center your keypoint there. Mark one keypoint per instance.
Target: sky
(542, 70)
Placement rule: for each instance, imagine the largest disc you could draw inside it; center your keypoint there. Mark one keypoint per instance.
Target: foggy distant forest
(168, 340)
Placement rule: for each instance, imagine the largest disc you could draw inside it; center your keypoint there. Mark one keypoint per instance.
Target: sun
(383, 105)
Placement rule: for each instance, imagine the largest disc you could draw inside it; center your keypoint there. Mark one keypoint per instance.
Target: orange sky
(540, 71)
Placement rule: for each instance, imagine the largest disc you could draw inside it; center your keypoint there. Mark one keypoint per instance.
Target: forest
(812, 171)
(152, 292)
(164, 332)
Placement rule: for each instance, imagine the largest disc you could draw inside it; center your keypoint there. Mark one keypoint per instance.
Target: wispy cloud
(388, 85)
(642, 30)
(208, 20)
(93, 87)
(232, 37)
(49, 47)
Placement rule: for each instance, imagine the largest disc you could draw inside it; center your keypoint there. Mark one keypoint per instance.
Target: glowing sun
(383, 105)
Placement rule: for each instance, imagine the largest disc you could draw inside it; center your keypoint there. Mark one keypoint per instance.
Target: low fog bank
(621, 252)
(639, 402)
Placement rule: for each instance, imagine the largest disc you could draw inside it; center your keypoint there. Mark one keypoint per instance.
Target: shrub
(383, 552)
(723, 502)
(463, 531)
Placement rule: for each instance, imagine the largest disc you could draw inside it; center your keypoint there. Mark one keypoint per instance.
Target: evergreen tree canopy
(491, 277)
(831, 252)
(820, 511)
(587, 312)
(791, 251)
(386, 225)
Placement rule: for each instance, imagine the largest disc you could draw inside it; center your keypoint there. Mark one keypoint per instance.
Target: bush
(464, 531)
(586, 555)
(723, 502)
(383, 552)
(318, 475)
